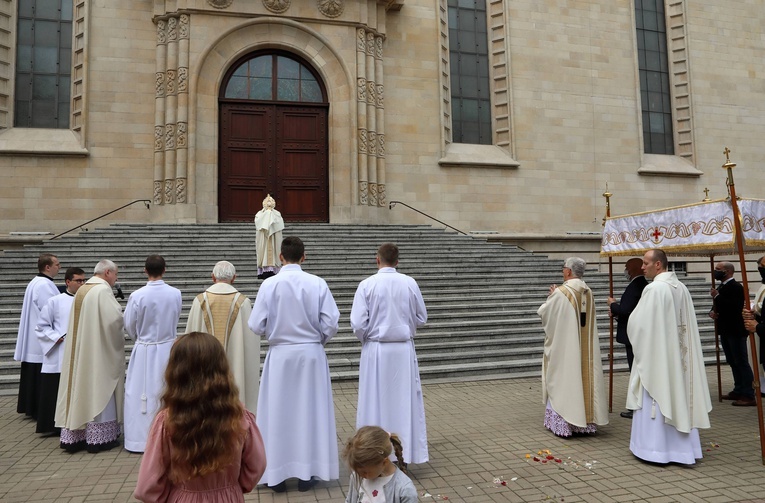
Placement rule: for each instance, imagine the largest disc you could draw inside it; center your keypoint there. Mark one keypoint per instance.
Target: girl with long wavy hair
(203, 445)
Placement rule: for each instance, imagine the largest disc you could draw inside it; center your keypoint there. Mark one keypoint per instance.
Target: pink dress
(225, 486)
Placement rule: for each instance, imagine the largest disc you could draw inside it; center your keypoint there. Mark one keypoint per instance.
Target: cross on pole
(656, 233)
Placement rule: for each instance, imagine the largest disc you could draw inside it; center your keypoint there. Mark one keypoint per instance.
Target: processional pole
(717, 334)
(742, 260)
(608, 195)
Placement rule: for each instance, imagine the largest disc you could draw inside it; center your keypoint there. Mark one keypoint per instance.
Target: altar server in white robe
(51, 331)
(222, 311)
(296, 415)
(668, 385)
(90, 397)
(151, 320)
(28, 349)
(573, 389)
(387, 309)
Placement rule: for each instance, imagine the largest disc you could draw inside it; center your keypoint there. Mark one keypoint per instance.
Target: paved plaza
(480, 434)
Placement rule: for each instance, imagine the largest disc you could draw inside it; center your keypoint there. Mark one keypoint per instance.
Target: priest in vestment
(387, 309)
(668, 384)
(51, 332)
(223, 311)
(28, 349)
(151, 320)
(573, 389)
(296, 414)
(90, 396)
(268, 240)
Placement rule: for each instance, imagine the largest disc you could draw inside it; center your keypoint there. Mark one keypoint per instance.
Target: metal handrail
(394, 203)
(147, 202)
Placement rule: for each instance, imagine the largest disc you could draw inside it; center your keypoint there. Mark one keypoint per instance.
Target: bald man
(621, 310)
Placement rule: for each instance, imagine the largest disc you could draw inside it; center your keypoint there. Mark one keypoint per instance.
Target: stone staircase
(481, 297)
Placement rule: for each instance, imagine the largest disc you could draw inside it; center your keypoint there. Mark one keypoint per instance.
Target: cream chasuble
(93, 368)
(668, 360)
(572, 371)
(223, 312)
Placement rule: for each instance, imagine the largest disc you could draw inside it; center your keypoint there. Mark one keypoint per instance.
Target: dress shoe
(75, 447)
(96, 448)
(626, 414)
(734, 396)
(306, 485)
(745, 402)
(280, 487)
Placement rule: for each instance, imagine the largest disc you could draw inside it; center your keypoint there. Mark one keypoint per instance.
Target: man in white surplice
(296, 415)
(151, 320)
(387, 309)
(668, 385)
(573, 389)
(28, 350)
(223, 311)
(91, 393)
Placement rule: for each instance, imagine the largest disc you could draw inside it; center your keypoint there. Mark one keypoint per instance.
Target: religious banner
(704, 228)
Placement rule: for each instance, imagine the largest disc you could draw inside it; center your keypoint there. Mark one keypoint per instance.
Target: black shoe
(280, 487)
(96, 448)
(306, 485)
(626, 414)
(75, 447)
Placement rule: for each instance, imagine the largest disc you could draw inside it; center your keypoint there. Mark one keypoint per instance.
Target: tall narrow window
(469, 68)
(655, 96)
(43, 64)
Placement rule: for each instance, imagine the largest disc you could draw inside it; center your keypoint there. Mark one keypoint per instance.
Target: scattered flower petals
(536, 458)
(549, 456)
(504, 483)
(528, 456)
(426, 495)
(513, 479)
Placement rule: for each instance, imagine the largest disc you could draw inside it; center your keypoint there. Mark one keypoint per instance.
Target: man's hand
(713, 315)
(553, 287)
(747, 314)
(713, 292)
(751, 325)
(610, 301)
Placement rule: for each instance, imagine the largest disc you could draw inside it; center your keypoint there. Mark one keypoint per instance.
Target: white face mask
(626, 274)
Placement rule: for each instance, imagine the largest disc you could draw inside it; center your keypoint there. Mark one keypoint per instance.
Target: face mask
(627, 274)
(719, 275)
(762, 273)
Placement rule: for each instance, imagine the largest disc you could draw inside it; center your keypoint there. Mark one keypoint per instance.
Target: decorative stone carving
(277, 6)
(372, 194)
(372, 145)
(363, 196)
(183, 80)
(170, 82)
(157, 191)
(161, 34)
(220, 4)
(379, 96)
(362, 140)
(180, 190)
(172, 29)
(159, 84)
(380, 145)
(182, 135)
(361, 40)
(371, 93)
(370, 44)
(331, 8)
(159, 140)
(169, 191)
(378, 47)
(361, 89)
(381, 194)
(169, 136)
(183, 26)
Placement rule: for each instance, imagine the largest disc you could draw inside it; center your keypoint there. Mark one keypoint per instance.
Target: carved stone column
(159, 112)
(361, 98)
(171, 108)
(380, 121)
(181, 139)
(371, 118)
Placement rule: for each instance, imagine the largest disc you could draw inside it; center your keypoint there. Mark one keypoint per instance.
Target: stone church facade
(490, 115)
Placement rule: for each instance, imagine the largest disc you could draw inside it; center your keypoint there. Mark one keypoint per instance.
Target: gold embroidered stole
(220, 316)
(79, 297)
(582, 303)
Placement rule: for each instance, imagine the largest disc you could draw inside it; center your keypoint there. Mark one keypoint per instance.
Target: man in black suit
(727, 312)
(621, 310)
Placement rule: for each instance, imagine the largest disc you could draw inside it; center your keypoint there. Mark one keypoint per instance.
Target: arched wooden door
(273, 139)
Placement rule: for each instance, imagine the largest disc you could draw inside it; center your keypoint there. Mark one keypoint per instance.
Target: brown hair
(155, 265)
(388, 253)
(204, 414)
(45, 260)
(370, 445)
(292, 249)
(72, 272)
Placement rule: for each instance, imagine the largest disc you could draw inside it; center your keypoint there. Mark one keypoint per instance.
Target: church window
(655, 85)
(43, 64)
(469, 72)
(273, 77)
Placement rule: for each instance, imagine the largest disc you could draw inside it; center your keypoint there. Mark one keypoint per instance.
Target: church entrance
(273, 139)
